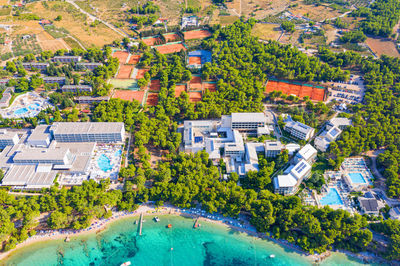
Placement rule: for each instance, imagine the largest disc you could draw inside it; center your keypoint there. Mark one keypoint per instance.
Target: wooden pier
(140, 224)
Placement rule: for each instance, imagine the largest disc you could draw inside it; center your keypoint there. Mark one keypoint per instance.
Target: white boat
(156, 219)
(272, 256)
(126, 263)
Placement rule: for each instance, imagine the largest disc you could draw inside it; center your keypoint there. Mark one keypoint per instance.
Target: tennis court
(129, 84)
(179, 89)
(134, 59)
(194, 60)
(170, 48)
(194, 97)
(171, 37)
(152, 99)
(300, 90)
(140, 73)
(121, 55)
(124, 72)
(196, 34)
(152, 41)
(129, 95)
(211, 87)
(195, 83)
(155, 85)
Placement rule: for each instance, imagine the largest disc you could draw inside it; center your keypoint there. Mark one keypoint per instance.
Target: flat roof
(248, 117)
(26, 175)
(41, 154)
(5, 134)
(86, 127)
(307, 151)
(41, 132)
(369, 204)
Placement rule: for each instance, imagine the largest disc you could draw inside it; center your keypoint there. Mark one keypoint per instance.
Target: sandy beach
(99, 225)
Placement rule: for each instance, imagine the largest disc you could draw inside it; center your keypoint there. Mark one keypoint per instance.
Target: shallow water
(211, 244)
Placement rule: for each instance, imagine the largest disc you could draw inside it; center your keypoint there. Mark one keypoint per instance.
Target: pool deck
(26, 105)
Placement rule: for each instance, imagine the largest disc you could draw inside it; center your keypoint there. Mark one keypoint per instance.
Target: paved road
(96, 18)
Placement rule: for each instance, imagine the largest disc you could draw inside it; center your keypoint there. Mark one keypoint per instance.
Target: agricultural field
(330, 33)
(383, 46)
(4, 11)
(257, 9)
(316, 13)
(47, 42)
(21, 46)
(266, 31)
(74, 22)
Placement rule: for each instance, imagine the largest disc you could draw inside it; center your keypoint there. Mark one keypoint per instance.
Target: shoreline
(100, 225)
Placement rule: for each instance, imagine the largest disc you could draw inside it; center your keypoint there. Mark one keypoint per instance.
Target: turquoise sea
(211, 244)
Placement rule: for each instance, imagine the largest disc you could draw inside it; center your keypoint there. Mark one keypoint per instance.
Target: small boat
(135, 222)
(272, 256)
(67, 239)
(156, 219)
(169, 225)
(126, 263)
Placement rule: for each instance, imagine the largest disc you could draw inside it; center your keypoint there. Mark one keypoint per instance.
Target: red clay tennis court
(316, 94)
(134, 59)
(212, 87)
(195, 82)
(196, 34)
(194, 97)
(152, 41)
(140, 73)
(121, 55)
(171, 37)
(170, 48)
(155, 85)
(179, 89)
(194, 60)
(129, 95)
(124, 72)
(152, 99)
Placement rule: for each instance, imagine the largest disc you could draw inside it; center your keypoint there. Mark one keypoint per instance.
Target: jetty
(140, 224)
(196, 223)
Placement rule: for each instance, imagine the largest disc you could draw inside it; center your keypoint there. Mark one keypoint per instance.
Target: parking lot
(351, 92)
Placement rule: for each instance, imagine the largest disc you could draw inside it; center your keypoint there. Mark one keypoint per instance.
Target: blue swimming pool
(332, 198)
(21, 111)
(357, 178)
(118, 153)
(34, 106)
(104, 163)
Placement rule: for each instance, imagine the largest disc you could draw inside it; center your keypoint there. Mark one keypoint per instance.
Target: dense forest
(379, 18)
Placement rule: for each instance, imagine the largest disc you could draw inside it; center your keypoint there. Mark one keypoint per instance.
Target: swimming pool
(20, 111)
(104, 163)
(357, 178)
(332, 198)
(118, 153)
(34, 106)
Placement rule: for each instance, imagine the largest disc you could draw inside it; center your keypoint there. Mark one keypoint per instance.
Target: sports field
(124, 72)
(194, 60)
(129, 84)
(170, 48)
(171, 37)
(196, 34)
(195, 83)
(121, 55)
(155, 85)
(129, 95)
(212, 87)
(152, 99)
(301, 91)
(134, 59)
(140, 73)
(152, 41)
(179, 89)
(194, 97)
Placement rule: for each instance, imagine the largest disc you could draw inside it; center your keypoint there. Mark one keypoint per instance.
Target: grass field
(5, 11)
(226, 20)
(71, 42)
(381, 46)
(316, 13)
(47, 42)
(266, 31)
(75, 22)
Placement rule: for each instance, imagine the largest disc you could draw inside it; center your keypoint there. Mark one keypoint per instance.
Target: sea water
(211, 244)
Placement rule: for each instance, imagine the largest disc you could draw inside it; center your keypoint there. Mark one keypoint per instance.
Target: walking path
(96, 18)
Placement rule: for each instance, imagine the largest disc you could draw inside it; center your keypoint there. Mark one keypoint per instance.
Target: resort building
(323, 141)
(369, 206)
(89, 66)
(189, 22)
(395, 213)
(88, 132)
(288, 183)
(8, 138)
(66, 59)
(52, 80)
(223, 139)
(33, 160)
(273, 148)
(91, 99)
(308, 153)
(299, 130)
(76, 88)
(339, 122)
(6, 97)
(40, 66)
